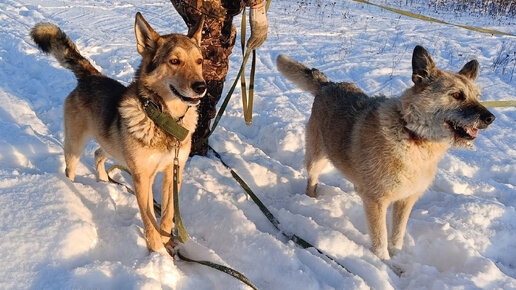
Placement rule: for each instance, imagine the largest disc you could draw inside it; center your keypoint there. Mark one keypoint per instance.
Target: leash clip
(147, 103)
(176, 155)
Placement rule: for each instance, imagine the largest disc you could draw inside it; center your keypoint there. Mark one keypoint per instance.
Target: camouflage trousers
(218, 39)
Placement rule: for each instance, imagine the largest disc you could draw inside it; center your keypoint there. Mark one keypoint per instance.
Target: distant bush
(490, 7)
(483, 7)
(505, 61)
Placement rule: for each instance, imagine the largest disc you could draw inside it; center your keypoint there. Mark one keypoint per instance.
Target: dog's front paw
(311, 191)
(171, 247)
(102, 176)
(394, 251)
(70, 174)
(396, 268)
(154, 242)
(382, 253)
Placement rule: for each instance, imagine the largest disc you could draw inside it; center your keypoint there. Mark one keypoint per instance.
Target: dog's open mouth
(463, 132)
(191, 101)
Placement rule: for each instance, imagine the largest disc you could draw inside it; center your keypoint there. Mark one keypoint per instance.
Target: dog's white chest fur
(137, 123)
(161, 160)
(419, 168)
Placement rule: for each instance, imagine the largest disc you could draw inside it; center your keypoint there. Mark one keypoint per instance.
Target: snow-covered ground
(88, 235)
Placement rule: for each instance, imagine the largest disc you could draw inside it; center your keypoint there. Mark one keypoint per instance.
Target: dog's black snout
(199, 87)
(487, 117)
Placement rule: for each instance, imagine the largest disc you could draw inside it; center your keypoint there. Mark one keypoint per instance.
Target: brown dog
(389, 148)
(170, 76)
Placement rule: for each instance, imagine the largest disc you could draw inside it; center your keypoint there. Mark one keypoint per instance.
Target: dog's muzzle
(198, 87)
(484, 119)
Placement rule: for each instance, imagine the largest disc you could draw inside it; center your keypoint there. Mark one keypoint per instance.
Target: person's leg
(207, 111)
(218, 39)
(216, 48)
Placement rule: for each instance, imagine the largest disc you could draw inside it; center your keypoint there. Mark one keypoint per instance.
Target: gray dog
(389, 148)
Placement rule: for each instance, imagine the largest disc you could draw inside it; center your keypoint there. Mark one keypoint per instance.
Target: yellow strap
(247, 100)
(249, 117)
(495, 104)
(243, 85)
(231, 90)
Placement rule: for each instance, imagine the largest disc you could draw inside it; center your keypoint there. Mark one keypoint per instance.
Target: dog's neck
(412, 136)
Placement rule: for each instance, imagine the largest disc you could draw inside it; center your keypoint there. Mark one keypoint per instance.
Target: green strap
(248, 113)
(247, 189)
(247, 102)
(221, 268)
(495, 104)
(242, 76)
(292, 237)
(120, 167)
(179, 229)
(228, 96)
(430, 19)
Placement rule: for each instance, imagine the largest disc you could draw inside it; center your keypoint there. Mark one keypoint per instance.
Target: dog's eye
(174, 61)
(458, 96)
(199, 61)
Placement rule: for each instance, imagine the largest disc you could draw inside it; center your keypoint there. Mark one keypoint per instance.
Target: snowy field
(55, 234)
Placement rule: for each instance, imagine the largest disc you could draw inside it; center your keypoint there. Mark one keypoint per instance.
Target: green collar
(163, 120)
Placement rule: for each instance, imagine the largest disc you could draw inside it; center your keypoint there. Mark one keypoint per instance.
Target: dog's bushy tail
(308, 79)
(52, 40)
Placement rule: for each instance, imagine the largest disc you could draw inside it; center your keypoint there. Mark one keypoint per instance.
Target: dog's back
(343, 98)
(338, 107)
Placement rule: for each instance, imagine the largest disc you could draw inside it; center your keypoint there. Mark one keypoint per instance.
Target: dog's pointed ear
(195, 32)
(470, 70)
(146, 37)
(423, 66)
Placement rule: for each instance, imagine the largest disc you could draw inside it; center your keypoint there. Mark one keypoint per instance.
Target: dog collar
(163, 120)
(413, 136)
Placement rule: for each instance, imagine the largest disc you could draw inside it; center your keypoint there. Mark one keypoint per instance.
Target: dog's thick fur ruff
(170, 75)
(388, 147)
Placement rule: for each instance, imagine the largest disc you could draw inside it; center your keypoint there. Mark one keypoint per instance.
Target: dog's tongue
(473, 132)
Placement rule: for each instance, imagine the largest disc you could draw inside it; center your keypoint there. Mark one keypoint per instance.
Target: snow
(56, 234)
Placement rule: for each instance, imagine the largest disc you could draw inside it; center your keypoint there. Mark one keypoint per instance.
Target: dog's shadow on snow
(116, 240)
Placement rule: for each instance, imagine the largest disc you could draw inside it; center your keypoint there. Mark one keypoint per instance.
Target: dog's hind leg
(315, 158)
(400, 213)
(72, 154)
(314, 165)
(376, 212)
(100, 159)
(73, 145)
(76, 130)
